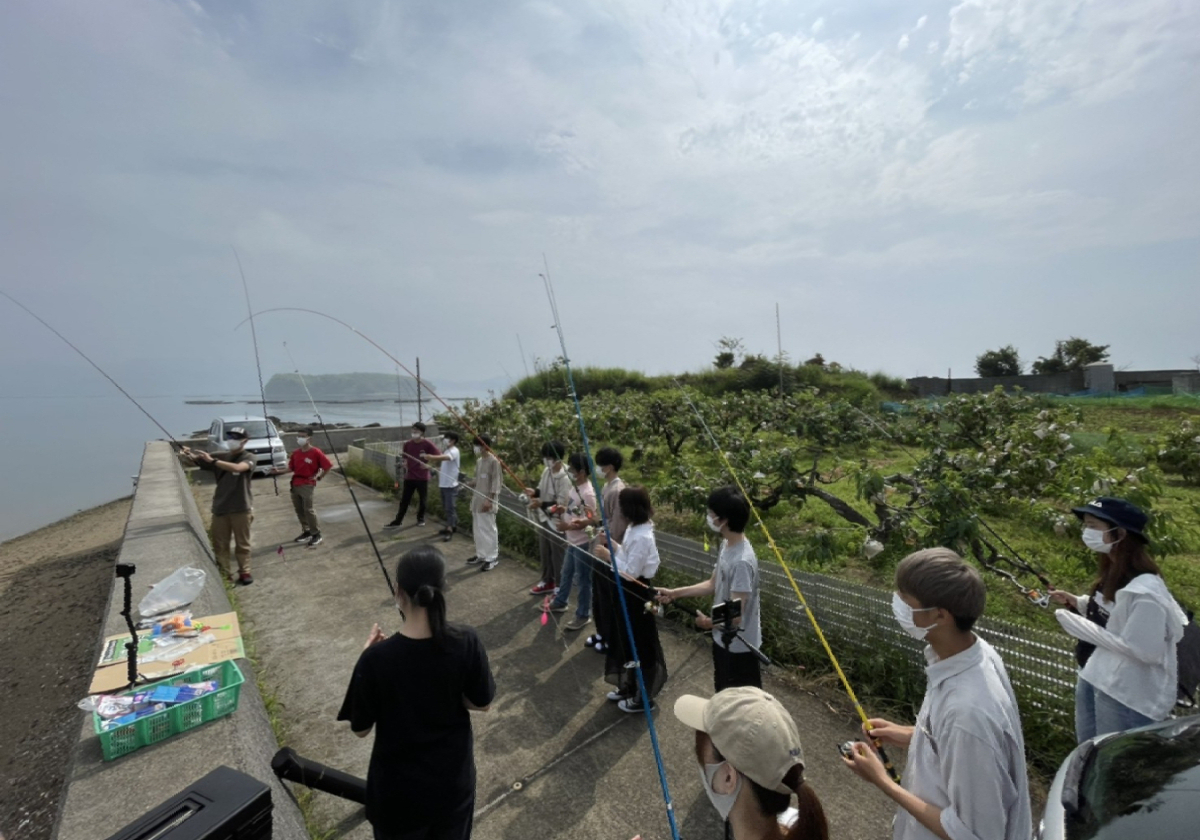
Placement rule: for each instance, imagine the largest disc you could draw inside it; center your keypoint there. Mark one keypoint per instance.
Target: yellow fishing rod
(887, 762)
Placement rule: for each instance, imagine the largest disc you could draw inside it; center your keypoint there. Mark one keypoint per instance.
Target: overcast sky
(913, 182)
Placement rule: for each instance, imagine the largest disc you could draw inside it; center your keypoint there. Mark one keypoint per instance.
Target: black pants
(731, 670)
(422, 490)
(455, 825)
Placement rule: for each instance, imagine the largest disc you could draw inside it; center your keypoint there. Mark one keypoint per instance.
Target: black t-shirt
(423, 760)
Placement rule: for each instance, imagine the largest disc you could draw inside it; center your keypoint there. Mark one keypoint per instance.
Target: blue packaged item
(165, 694)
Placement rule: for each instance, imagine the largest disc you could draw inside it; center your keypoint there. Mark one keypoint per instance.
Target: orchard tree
(1002, 362)
(1072, 354)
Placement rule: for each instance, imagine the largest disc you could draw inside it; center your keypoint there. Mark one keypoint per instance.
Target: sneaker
(616, 695)
(421, 522)
(578, 623)
(447, 536)
(315, 541)
(552, 607)
(542, 587)
(395, 523)
(489, 565)
(443, 531)
(471, 561)
(245, 579)
(634, 707)
(303, 537)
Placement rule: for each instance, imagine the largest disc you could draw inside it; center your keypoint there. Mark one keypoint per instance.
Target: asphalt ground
(554, 757)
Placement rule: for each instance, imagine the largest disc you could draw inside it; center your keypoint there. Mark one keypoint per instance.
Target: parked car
(1143, 783)
(264, 441)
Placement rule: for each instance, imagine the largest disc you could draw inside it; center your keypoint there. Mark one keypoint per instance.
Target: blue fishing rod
(587, 451)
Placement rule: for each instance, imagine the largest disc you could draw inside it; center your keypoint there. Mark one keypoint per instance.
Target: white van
(264, 441)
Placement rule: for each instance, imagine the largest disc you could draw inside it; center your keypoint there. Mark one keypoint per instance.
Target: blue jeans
(1098, 714)
(450, 505)
(575, 568)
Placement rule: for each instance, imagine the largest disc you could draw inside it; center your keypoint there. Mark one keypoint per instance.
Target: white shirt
(638, 555)
(448, 470)
(967, 754)
(1135, 661)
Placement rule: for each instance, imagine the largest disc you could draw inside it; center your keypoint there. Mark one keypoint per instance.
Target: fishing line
(336, 458)
(398, 363)
(887, 763)
(93, 364)
(258, 364)
(587, 451)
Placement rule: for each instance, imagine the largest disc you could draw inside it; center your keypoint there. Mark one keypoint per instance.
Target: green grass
(377, 478)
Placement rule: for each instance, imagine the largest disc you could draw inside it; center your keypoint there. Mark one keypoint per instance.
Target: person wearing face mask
(579, 515)
(308, 465)
(1127, 626)
(735, 577)
(751, 764)
(608, 467)
(449, 463)
(415, 472)
(421, 779)
(965, 778)
(546, 502)
(484, 504)
(232, 512)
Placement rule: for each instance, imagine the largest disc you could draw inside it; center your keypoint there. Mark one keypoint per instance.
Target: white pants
(487, 537)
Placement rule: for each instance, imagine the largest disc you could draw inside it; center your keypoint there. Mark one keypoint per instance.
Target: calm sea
(67, 454)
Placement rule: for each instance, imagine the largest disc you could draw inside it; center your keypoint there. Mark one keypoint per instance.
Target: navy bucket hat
(1116, 512)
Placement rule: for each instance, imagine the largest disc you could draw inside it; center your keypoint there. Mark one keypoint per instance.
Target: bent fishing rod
(587, 451)
(84, 356)
(1041, 599)
(449, 408)
(258, 366)
(338, 460)
(837, 666)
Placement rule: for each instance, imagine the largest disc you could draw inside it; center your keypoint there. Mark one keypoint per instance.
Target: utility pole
(779, 342)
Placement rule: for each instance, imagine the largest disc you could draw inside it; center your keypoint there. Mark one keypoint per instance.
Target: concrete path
(555, 759)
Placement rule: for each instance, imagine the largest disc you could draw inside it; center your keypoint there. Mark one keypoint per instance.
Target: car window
(256, 428)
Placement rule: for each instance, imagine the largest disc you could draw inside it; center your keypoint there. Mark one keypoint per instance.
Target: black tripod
(125, 571)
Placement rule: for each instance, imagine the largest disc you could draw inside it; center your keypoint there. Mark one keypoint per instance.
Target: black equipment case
(224, 805)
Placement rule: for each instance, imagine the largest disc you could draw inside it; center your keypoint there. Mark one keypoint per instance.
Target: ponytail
(421, 573)
(810, 823)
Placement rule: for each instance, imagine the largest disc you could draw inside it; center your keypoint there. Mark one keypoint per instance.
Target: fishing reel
(1038, 598)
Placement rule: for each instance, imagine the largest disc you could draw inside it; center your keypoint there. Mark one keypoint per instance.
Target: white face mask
(415, 434)
(712, 523)
(234, 444)
(904, 617)
(1093, 538)
(723, 802)
(478, 450)
(549, 462)
(302, 441)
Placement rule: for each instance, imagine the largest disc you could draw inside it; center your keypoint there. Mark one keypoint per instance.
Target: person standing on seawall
(1127, 626)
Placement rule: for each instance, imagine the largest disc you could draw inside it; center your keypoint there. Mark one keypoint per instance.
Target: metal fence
(856, 619)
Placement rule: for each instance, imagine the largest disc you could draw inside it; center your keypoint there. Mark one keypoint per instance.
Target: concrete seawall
(165, 532)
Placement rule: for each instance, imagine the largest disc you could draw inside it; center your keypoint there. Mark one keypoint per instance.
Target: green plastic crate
(174, 719)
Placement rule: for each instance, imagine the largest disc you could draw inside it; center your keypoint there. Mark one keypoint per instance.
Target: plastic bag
(176, 590)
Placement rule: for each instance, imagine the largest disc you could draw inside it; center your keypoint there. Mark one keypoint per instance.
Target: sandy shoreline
(81, 531)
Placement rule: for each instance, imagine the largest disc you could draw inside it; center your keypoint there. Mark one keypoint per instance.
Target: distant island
(344, 387)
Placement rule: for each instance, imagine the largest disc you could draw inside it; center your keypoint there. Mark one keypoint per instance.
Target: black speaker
(224, 805)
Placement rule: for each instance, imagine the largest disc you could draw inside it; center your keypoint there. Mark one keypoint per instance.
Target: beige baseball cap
(751, 729)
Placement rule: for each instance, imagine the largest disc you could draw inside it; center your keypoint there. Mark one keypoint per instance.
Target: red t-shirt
(306, 464)
(414, 468)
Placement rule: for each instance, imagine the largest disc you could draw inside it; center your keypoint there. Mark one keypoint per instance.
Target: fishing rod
(338, 460)
(83, 355)
(258, 364)
(887, 762)
(450, 409)
(587, 451)
(1036, 597)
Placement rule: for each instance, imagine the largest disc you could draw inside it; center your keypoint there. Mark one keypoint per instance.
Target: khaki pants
(302, 501)
(237, 527)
